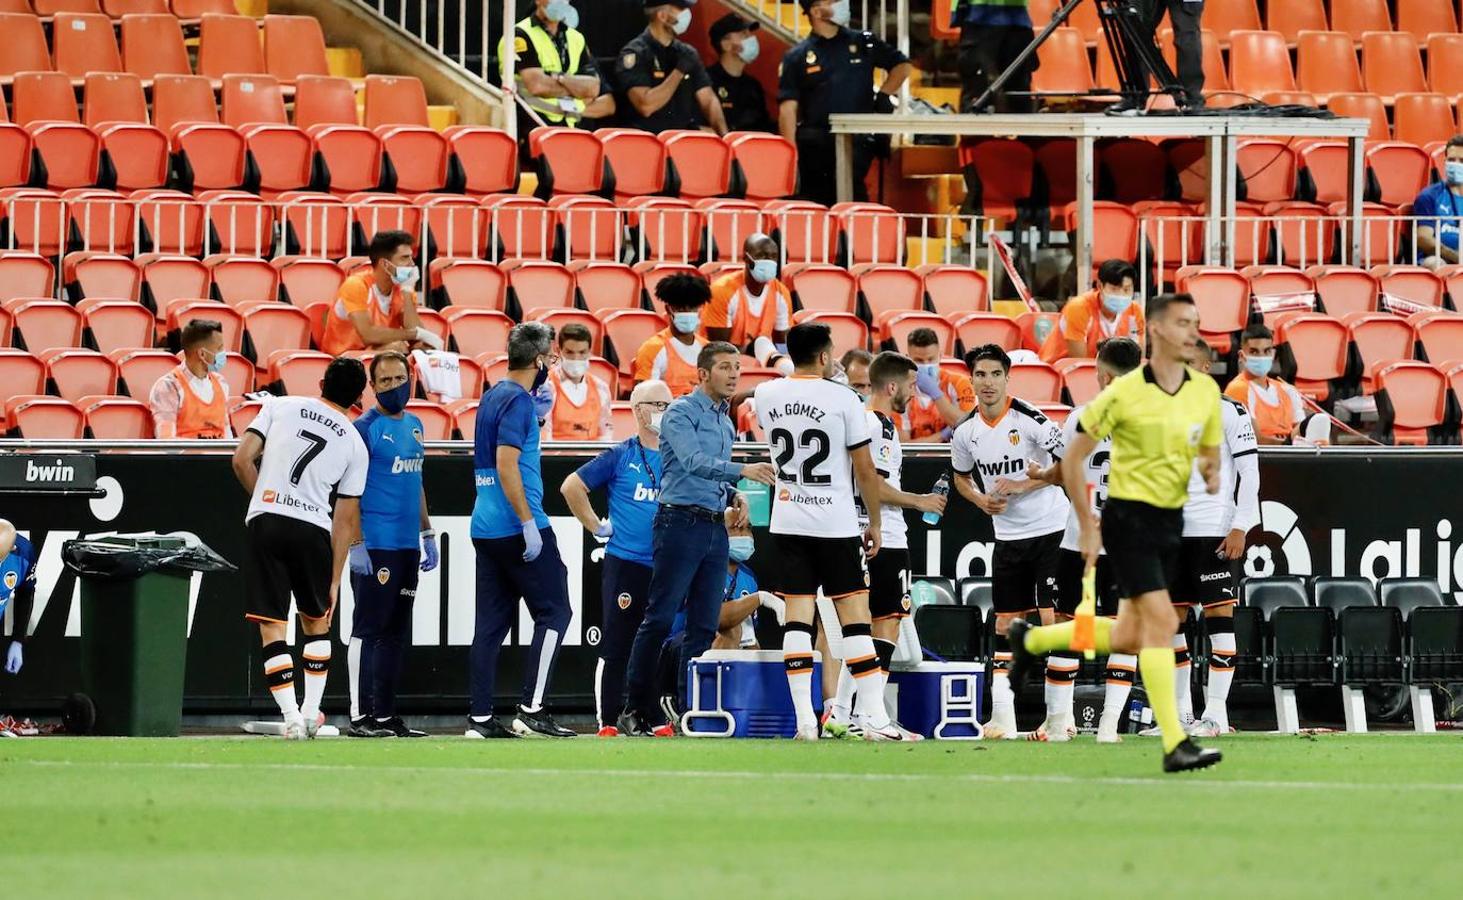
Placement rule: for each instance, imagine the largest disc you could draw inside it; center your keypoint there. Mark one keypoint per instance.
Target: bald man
(751, 303)
(17, 586)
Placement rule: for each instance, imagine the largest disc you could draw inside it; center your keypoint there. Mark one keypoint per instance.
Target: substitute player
(819, 437)
(992, 452)
(891, 384)
(1161, 417)
(396, 542)
(295, 454)
(18, 589)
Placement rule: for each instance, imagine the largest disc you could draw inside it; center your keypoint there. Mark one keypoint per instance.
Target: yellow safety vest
(548, 58)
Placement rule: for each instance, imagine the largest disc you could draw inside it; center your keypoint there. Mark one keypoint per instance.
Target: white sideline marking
(972, 777)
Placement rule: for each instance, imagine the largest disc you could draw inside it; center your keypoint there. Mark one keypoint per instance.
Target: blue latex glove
(14, 658)
(927, 380)
(360, 560)
(605, 531)
(543, 403)
(532, 540)
(429, 550)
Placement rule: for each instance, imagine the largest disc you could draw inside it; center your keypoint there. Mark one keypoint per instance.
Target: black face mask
(540, 378)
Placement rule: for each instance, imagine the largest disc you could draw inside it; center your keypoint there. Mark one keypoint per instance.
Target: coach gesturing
(690, 542)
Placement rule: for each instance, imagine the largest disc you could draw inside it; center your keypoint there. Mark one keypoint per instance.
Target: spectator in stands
(832, 71)
(941, 398)
(992, 35)
(1276, 407)
(665, 84)
(554, 69)
(1109, 310)
(670, 355)
(743, 104)
(751, 303)
(581, 410)
(376, 308)
(192, 401)
(1437, 243)
(856, 364)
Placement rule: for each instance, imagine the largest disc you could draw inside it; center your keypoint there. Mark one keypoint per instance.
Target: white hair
(643, 389)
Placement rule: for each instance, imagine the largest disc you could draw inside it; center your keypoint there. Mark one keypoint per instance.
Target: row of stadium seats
(185, 10)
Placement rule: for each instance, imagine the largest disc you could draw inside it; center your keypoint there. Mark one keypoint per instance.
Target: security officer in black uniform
(664, 82)
(832, 71)
(742, 100)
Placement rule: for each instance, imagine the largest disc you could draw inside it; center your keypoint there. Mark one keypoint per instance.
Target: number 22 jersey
(811, 425)
(310, 452)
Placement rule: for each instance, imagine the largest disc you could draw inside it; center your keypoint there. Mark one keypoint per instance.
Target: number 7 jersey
(812, 424)
(310, 452)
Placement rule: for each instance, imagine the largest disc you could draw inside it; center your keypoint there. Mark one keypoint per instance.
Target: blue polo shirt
(17, 573)
(1438, 200)
(506, 418)
(391, 516)
(631, 474)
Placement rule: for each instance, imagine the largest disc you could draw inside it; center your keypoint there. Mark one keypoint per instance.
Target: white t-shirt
(811, 425)
(888, 460)
(687, 352)
(310, 452)
(987, 451)
(1237, 505)
(782, 319)
(1094, 469)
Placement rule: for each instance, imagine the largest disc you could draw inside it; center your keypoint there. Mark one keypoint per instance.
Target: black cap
(683, 4)
(729, 23)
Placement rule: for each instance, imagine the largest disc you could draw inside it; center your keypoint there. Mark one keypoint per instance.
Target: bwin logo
(59, 472)
(401, 466)
(1004, 467)
(644, 494)
(1279, 531)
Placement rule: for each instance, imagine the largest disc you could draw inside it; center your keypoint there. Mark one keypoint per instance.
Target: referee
(1160, 417)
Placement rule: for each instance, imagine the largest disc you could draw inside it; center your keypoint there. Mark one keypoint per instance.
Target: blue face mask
(764, 270)
(686, 322)
(1453, 171)
(740, 548)
(394, 400)
(1259, 366)
(558, 11)
(750, 50)
(219, 359)
(1116, 303)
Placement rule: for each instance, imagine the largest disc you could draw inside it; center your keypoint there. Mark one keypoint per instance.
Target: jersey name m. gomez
(811, 425)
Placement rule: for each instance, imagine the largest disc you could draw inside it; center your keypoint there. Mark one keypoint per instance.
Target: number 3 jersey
(1094, 470)
(988, 450)
(811, 425)
(310, 452)
(888, 460)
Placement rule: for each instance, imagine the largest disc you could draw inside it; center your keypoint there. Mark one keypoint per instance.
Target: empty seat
(979, 328)
(700, 163)
(45, 417)
(1268, 168)
(482, 160)
(637, 159)
(210, 156)
(953, 290)
(43, 97)
(418, 156)
(1063, 65)
(1411, 284)
(520, 226)
(478, 331)
(1291, 17)
(1326, 63)
(604, 286)
(806, 231)
(1422, 18)
(625, 330)
(1391, 64)
(456, 226)
(1223, 300)
(1412, 404)
(113, 97)
(316, 225)
(765, 164)
(153, 45)
(895, 326)
(294, 46)
(240, 224)
(1259, 63)
(1363, 106)
(24, 48)
(1005, 171)
(193, 10)
(350, 157)
(869, 233)
(21, 371)
(275, 326)
(229, 45)
(80, 373)
(394, 100)
(539, 284)
(1357, 17)
(119, 8)
(304, 282)
(299, 371)
(168, 278)
(1409, 594)
(664, 228)
(847, 330)
(1423, 118)
(569, 161)
(116, 324)
(1441, 338)
(39, 325)
(242, 279)
(468, 284)
(139, 369)
(25, 275)
(102, 275)
(585, 227)
(1402, 171)
(888, 289)
(324, 100)
(1445, 64)
(824, 287)
(116, 418)
(1379, 339)
(84, 42)
(1270, 594)
(1345, 289)
(1337, 593)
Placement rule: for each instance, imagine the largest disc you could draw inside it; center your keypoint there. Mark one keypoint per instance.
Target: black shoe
(1021, 658)
(395, 727)
(539, 724)
(1190, 755)
(365, 728)
(491, 729)
(669, 707)
(632, 724)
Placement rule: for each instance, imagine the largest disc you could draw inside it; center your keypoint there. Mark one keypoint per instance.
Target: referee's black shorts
(286, 556)
(1144, 544)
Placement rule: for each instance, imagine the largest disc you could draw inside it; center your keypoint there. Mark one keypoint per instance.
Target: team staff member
(690, 543)
(1161, 418)
(396, 542)
(192, 401)
(856, 364)
(742, 101)
(942, 398)
(1107, 311)
(517, 554)
(1277, 407)
(992, 34)
(630, 474)
(751, 303)
(665, 84)
(554, 70)
(18, 560)
(832, 71)
(581, 401)
(671, 354)
(296, 456)
(376, 308)
(1437, 239)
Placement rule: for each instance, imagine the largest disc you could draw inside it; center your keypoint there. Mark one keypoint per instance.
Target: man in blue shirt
(1437, 241)
(690, 543)
(630, 473)
(517, 555)
(17, 586)
(396, 542)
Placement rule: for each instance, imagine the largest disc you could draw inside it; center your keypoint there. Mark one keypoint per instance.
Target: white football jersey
(1237, 505)
(310, 452)
(1000, 449)
(811, 425)
(1094, 469)
(888, 460)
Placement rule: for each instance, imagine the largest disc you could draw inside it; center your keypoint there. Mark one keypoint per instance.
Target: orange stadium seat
(601, 286)
(483, 160)
(1057, 160)
(1423, 18)
(1412, 403)
(888, 289)
(1005, 171)
(1422, 119)
(180, 314)
(1445, 64)
(418, 156)
(1315, 347)
(468, 284)
(979, 328)
(84, 42)
(194, 10)
(242, 412)
(954, 290)
(24, 48)
(350, 157)
(1414, 284)
(43, 97)
(700, 162)
(116, 418)
(80, 373)
(324, 100)
(869, 233)
(1391, 64)
(45, 417)
(665, 228)
(1326, 64)
(823, 287)
(765, 164)
(229, 44)
(1357, 17)
(294, 46)
(622, 420)
(240, 223)
(1063, 64)
(1345, 289)
(520, 226)
(1268, 168)
(1035, 382)
(539, 284)
(103, 275)
(637, 159)
(1223, 299)
(140, 368)
(1304, 235)
(806, 231)
(1364, 106)
(276, 326)
(1085, 19)
(168, 278)
(152, 45)
(116, 324)
(210, 156)
(585, 227)
(570, 161)
(436, 421)
(477, 331)
(317, 225)
(1402, 171)
(25, 275)
(21, 371)
(119, 8)
(113, 97)
(1226, 16)
(242, 279)
(304, 281)
(848, 330)
(1378, 339)
(1291, 17)
(394, 100)
(42, 324)
(892, 329)
(299, 371)
(730, 223)
(1259, 63)
(625, 330)
(1079, 380)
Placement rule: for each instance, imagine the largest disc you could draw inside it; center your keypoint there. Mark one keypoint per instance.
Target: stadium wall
(1376, 513)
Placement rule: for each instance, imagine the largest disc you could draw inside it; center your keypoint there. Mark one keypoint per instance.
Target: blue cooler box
(743, 693)
(940, 700)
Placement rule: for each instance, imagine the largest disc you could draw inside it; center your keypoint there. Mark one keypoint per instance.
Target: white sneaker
(294, 728)
(909, 736)
(995, 730)
(806, 733)
(1108, 736)
(1151, 731)
(313, 723)
(1057, 732)
(885, 732)
(1208, 728)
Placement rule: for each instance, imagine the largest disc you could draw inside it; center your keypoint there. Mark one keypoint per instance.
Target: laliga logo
(1279, 532)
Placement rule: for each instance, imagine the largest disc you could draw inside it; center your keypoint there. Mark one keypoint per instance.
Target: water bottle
(942, 487)
(759, 502)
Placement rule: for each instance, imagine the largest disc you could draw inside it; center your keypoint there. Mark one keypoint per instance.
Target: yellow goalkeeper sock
(1059, 637)
(1157, 666)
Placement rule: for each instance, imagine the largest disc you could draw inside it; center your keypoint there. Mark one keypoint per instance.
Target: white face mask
(575, 368)
(750, 49)
(683, 21)
(654, 423)
(404, 276)
(841, 12)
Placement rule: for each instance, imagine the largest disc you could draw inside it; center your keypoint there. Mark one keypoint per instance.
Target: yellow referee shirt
(1156, 435)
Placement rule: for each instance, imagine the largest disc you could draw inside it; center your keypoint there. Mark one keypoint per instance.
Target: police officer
(664, 82)
(629, 472)
(742, 101)
(992, 34)
(832, 71)
(555, 72)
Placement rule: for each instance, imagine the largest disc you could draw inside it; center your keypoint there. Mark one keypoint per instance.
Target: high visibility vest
(571, 422)
(196, 419)
(548, 59)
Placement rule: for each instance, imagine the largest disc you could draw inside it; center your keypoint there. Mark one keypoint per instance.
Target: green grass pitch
(1332, 816)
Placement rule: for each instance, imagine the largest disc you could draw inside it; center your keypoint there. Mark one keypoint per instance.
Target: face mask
(540, 378)
(394, 400)
(764, 270)
(654, 423)
(840, 13)
(219, 359)
(683, 21)
(750, 49)
(686, 322)
(929, 370)
(1259, 366)
(1454, 172)
(740, 548)
(404, 275)
(558, 11)
(575, 368)
(1116, 303)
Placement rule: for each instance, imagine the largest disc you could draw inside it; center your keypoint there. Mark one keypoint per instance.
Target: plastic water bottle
(759, 502)
(942, 487)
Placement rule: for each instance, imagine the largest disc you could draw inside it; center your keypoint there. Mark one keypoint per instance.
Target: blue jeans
(690, 565)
